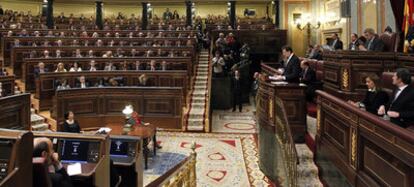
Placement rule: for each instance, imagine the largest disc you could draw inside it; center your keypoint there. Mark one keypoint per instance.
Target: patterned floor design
(226, 121)
(222, 159)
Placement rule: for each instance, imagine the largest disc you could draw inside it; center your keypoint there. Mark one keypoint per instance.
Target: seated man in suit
(336, 43)
(400, 109)
(308, 77)
(43, 147)
(40, 69)
(373, 42)
(153, 66)
(291, 68)
(82, 82)
(354, 45)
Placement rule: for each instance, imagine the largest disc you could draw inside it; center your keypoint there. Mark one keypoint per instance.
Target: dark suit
(292, 69)
(78, 84)
(308, 77)
(60, 178)
(354, 45)
(375, 45)
(373, 100)
(237, 93)
(37, 71)
(404, 104)
(338, 45)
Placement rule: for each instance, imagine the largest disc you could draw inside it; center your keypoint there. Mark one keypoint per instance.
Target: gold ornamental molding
(345, 79)
(318, 120)
(353, 147)
(270, 108)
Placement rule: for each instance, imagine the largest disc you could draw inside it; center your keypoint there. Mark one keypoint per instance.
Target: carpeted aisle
(222, 159)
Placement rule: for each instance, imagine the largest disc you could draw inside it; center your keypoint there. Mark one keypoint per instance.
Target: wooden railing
(364, 149)
(182, 175)
(277, 153)
(207, 119)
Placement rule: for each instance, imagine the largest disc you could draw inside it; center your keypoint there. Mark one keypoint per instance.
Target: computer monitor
(74, 150)
(6, 147)
(119, 147)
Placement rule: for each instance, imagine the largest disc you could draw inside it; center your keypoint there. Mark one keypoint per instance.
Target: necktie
(369, 44)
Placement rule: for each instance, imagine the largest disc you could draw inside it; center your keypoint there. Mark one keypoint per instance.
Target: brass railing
(182, 175)
(277, 152)
(207, 119)
(285, 141)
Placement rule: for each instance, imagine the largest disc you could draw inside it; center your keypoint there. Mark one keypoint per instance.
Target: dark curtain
(398, 9)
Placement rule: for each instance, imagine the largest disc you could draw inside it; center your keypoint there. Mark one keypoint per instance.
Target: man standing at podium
(290, 70)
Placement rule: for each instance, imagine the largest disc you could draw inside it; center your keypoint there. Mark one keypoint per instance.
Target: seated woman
(142, 80)
(70, 124)
(75, 67)
(60, 67)
(62, 84)
(375, 96)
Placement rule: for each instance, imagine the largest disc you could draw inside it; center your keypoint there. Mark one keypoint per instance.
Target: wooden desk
(15, 112)
(7, 85)
(294, 100)
(364, 149)
(46, 83)
(146, 132)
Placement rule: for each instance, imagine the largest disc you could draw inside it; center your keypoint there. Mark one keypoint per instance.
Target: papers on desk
(279, 82)
(104, 130)
(74, 169)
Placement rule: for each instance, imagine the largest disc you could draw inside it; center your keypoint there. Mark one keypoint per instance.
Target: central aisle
(227, 159)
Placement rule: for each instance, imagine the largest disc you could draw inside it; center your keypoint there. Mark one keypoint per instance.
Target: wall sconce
(304, 23)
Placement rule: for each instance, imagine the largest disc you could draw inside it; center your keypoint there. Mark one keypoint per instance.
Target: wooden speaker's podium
(90, 151)
(126, 153)
(16, 149)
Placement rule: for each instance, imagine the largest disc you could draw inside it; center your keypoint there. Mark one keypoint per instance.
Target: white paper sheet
(74, 169)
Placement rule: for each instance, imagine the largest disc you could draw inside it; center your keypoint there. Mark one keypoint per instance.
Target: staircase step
(202, 73)
(309, 183)
(40, 127)
(36, 119)
(304, 153)
(198, 105)
(199, 87)
(309, 170)
(198, 100)
(199, 93)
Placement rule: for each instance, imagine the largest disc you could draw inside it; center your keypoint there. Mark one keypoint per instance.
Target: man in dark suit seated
(373, 42)
(43, 147)
(40, 69)
(354, 45)
(82, 83)
(308, 77)
(400, 109)
(336, 43)
(291, 68)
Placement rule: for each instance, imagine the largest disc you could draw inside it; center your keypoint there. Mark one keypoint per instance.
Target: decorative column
(144, 16)
(232, 13)
(189, 13)
(277, 12)
(99, 14)
(49, 14)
